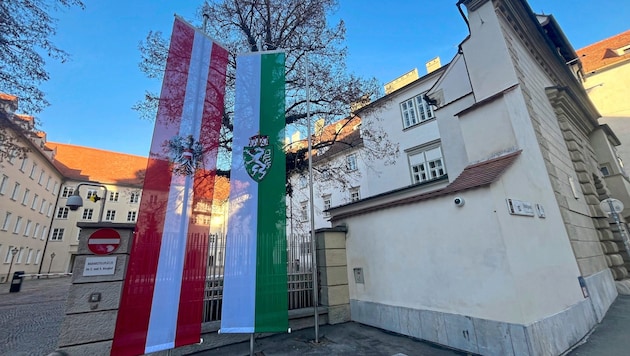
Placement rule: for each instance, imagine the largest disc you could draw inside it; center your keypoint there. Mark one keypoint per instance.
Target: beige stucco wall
(29, 241)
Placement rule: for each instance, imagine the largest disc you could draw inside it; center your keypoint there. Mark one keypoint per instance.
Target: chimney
(433, 65)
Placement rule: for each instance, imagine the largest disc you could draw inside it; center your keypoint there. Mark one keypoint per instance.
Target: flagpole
(311, 205)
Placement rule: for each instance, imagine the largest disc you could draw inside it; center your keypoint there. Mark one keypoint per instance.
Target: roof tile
(603, 53)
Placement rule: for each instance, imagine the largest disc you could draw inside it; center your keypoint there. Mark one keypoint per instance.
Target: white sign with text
(99, 266)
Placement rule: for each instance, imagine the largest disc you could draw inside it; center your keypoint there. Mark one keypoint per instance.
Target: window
(415, 111)
(55, 188)
(91, 193)
(67, 191)
(351, 162)
(50, 210)
(18, 225)
(131, 216)
(29, 257)
(44, 233)
(41, 177)
(302, 182)
(87, 214)
(38, 257)
(135, 196)
(7, 221)
(12, 156)
(113, 196)
(48, 183)
(3, 184)
(57, 234)
(62, 213)
(20, 256)
(9, 255)
(32, 175)
(327, 203)
(34, 203)
(303, 213)
(605, 171)
(42, 208)
(426, 165)
(25, 197)
(36, 231)
(16, 191)
(27, 228)
(23, 165)
(111, 215)
(354, 194)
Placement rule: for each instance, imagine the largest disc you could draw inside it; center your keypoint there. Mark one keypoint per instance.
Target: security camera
(74, 202)
(458, 201)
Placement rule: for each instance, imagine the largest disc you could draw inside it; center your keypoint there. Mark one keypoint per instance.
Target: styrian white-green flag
(255, 278)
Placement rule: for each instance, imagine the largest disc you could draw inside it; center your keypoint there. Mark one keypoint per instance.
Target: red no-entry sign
(104, 241)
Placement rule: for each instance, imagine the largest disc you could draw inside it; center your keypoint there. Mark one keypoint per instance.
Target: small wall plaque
(518, 207)
(99, 266)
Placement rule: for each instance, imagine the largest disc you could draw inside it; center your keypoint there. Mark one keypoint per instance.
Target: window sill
(419, 124)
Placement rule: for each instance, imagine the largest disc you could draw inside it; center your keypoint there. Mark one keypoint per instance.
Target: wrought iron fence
(299, 276)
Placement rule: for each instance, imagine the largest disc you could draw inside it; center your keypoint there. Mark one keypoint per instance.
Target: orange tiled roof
(5, 96)
(603, 53)
(85, 163)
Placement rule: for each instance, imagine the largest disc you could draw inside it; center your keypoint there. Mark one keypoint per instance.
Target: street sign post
(104, 241)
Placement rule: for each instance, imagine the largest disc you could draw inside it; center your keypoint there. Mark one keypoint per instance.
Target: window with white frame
(110, 215)
(91, 193)
(32, 174)
(48, 182)
(62, 212)
(302, 182)
(27, 192)
(23, 165)
(135, 196)
(9, 255)
(3, 184)
(7, 221)
(16, 191)
(327, 203)
(415, 111)
(42, 208)
(57, 234)
(41, 176)
(113, 196)
(131, 216)
(18, 225)
(426, 164)
(304, 211)
(27, 228)
(87, 213)
(29, 257)
(44, 233)
(38, 257)
(50, 210)
(54, 192)
(67, 191)
(34, 203)
(20, 256)
(355, 194)
(351, 162)
(36, 230)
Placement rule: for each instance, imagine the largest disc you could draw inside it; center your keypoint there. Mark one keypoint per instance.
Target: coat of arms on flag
(185, 154)
(258, 157)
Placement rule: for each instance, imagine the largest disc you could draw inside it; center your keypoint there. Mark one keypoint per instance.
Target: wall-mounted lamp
(75, 201)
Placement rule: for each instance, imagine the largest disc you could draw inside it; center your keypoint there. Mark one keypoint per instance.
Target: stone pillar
(94, 297)
(333, 272)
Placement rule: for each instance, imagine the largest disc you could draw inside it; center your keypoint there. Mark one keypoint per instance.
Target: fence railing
(299, 275)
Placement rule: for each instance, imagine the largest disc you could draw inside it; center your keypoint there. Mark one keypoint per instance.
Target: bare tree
(26, 28)
(301, 28)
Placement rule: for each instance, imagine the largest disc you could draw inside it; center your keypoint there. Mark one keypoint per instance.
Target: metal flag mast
(311, 205)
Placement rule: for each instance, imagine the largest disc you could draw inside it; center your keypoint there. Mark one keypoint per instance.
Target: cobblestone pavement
(30, 319)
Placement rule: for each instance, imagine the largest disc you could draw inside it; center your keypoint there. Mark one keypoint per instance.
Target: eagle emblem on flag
(258, 157)
(185, 154)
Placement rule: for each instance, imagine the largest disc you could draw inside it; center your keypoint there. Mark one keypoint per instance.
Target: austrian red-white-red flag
(162, 299)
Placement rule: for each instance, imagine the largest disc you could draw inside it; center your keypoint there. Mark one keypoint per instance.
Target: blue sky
(93, 93)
